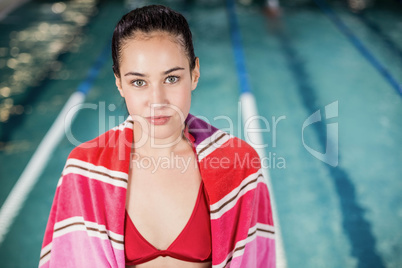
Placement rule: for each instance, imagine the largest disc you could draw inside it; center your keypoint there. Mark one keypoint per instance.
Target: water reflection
(32, 50)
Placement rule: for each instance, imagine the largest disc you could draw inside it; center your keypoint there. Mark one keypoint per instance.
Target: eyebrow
(166, 72)
(173, 69)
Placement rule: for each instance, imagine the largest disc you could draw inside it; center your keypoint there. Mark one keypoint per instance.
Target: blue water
(343, 216)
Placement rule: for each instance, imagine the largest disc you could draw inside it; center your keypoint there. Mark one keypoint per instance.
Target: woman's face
(155, 80)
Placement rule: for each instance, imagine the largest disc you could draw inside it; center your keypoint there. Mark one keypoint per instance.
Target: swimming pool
(340, 209)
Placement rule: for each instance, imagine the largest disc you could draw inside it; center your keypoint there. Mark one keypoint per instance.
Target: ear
(118, 85)
(195, 74)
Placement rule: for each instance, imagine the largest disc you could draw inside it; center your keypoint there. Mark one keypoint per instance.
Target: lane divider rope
(327, 10)
(250, 110)
(24, 185)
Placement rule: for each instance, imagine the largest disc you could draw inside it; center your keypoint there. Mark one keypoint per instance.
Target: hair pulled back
(148, 19)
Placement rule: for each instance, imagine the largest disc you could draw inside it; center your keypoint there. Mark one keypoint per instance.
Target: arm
(48, 237)
(241, 215)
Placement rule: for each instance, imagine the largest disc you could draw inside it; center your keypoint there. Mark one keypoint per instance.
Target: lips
(157, 117)
(158, 120)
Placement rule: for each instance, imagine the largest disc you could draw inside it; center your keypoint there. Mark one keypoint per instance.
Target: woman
(115, 206)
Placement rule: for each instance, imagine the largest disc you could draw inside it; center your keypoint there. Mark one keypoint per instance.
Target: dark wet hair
(149, 19)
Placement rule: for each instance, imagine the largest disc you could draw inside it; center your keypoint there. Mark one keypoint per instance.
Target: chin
(162, 132)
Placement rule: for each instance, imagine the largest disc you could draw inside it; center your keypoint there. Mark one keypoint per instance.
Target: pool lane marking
(10, 6)
(362, 241)
(326, 9)
(376, 29)
(247, 101)
(40, 158)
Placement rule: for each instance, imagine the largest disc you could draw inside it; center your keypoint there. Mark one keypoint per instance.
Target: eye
(172, 79)
(138, 83)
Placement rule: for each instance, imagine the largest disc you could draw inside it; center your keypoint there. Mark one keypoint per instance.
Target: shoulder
(231, 168)
(240, 155)
(240, 148)
(105, 146)
(223, 155)
(229, 151)
(227, 163)
(212, 141)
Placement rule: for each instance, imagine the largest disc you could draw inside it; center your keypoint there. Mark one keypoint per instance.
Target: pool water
(335, 179)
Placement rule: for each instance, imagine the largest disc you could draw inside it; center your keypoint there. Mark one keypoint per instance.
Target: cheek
(134, 102)
(183, 101)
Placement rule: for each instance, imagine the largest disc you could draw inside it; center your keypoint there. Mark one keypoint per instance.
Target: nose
(158, 98)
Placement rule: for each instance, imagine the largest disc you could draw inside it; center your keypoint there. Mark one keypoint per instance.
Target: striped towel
(86, 221)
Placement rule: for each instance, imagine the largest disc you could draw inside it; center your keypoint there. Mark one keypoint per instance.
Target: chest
(161, 196)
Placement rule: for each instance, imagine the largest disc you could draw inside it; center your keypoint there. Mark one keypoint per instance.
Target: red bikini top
(193, 244)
